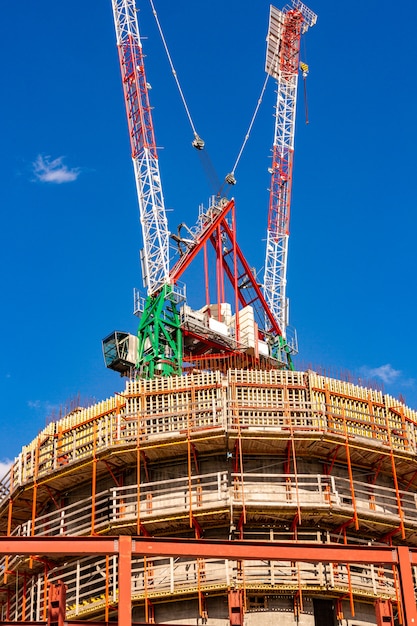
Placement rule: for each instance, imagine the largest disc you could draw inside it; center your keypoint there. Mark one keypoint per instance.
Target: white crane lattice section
(282, 60)
(155, 258)
(279, 215)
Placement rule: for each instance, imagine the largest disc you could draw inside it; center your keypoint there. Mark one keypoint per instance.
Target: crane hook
(197, 142)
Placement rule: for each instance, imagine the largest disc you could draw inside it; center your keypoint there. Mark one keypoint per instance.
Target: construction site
(221, 486)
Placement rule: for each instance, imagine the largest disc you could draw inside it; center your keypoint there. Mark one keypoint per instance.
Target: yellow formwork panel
(351, 416)
(161, 407)
(282, 378)
(172, 383)
(397, 405)
(341, 387)
(188, 401)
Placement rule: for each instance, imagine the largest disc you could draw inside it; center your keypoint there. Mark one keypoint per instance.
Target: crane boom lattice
(282, 63)
(155, 257)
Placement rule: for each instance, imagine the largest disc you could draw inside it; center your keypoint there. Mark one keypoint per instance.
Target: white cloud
(5, 465)
(34, 404)
(54, 171)
(386, 373)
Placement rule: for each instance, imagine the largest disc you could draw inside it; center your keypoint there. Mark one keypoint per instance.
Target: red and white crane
(158, 346)
(168, 334)
(155, 257)
(282, 63)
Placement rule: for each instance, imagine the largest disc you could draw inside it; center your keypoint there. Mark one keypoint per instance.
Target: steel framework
(125, 547)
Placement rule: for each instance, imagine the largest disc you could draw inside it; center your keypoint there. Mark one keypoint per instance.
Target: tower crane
(159, 337)
(168, 333)
(155, 258)
(282, 63)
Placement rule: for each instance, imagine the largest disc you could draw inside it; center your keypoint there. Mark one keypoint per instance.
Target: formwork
(277, 456)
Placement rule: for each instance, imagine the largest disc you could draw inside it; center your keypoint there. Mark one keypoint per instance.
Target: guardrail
(219, 490)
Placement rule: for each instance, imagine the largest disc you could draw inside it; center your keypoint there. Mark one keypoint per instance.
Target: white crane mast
(282, 62)
(155, 256)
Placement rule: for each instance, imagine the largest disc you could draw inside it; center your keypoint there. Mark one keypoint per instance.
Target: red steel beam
(125, 585)
(263, 550)
(55, 546)
(82, 622)
(407, 585)
(254, 283)
(184, 261)
(161, 546)
(125, 546)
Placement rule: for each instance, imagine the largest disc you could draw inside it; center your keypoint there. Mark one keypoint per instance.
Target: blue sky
(70, 230)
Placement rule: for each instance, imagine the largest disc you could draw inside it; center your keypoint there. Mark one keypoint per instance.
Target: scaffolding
(244, 455)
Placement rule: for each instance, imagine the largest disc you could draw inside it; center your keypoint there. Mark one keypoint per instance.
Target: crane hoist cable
(197, 142)
(230, 178)
(304, 72)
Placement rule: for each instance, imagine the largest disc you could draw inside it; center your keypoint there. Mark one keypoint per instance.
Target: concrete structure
(270, 456)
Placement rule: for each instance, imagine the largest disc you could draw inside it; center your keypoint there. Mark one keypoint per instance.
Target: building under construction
(264, 456)
(220, 486)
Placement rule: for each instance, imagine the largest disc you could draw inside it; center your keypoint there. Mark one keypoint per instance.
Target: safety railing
(92, 583)
(325, 492)
(219, 490)
(120, 505)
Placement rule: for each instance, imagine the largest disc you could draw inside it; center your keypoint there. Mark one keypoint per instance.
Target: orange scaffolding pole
(239, 454)
(94, 481)
(35, 488)
(398, 594)
(24, 597)
(349, 465)
(288, 419)
(202, 606)
(148, 582)
(106, 608)
(189, 468)
(138, 481)
(9, 532)
(35, 492)
(395, 479)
